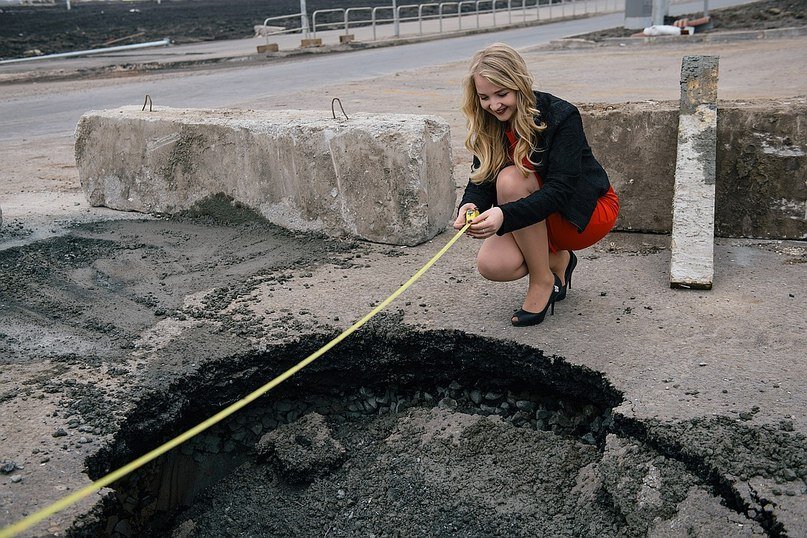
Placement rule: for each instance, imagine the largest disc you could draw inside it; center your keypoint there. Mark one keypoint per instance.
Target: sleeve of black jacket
(482, 195)
(562, 175)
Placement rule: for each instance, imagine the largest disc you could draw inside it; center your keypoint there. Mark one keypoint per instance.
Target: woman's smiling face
(499, 101)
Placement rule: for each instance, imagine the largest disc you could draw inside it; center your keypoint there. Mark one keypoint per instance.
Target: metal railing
(350, 10)
(374, 20)
(303, 29)
(327, 25)
(459, 12)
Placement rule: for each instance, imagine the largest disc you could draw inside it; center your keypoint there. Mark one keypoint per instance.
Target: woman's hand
(460, 222)
(486, 224)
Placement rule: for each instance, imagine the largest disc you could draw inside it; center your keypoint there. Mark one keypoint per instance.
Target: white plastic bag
(661, 29)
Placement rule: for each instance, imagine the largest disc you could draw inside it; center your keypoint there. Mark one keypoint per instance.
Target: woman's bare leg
(558, 262)
(532, 241)
(500, 259)
(520, 253)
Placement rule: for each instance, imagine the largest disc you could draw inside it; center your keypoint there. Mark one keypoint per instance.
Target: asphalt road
(58, 113)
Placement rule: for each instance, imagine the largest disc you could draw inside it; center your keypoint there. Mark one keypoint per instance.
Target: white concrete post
(692, 261)
(395, 18)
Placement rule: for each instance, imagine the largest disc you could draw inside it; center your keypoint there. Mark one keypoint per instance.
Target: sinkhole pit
(392, 433)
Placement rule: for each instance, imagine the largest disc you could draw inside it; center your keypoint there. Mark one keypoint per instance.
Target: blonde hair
(502, 66)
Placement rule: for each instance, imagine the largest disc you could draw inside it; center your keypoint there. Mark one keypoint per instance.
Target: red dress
(563, 235)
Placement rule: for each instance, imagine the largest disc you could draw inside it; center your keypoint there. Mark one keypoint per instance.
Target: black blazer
(573, 180)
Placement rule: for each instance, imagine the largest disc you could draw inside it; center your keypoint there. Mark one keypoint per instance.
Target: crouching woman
(541, 193)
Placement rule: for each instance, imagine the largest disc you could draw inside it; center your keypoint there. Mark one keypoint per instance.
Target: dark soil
(543, 461)
(53, 29)
(78, 280)
(503, 443)
(420, 483)
(756, 16)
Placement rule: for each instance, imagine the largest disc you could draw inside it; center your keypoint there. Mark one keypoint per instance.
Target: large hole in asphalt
(391, 433)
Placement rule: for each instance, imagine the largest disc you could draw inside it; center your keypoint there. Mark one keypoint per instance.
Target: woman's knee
(486, 268)
(512, 185)
(499, 269)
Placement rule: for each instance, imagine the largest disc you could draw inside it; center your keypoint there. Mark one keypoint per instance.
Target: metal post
(658, 12)
(68, 5)
(304, 19)
(705, 8)
(396, 22)
(440, 16)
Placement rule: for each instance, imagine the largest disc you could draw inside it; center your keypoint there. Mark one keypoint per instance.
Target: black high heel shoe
(524, 318)
(567, 276)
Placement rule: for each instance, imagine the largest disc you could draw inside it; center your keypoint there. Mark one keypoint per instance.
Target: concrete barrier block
(761, 188)
(761, 164)
(310, 42)
(384, 178)
(635, 143)
(269, 47)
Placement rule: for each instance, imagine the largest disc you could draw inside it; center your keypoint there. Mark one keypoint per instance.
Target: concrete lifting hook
(333, 111)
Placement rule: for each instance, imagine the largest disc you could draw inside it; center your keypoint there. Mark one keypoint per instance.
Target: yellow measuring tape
(41, 515)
